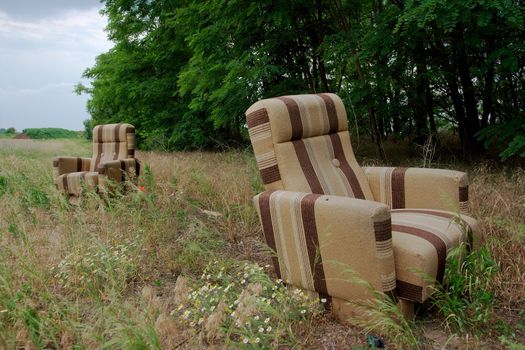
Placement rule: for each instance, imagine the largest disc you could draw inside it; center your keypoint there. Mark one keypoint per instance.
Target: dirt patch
(22, 137)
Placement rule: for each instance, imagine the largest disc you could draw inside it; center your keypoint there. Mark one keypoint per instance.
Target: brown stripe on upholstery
(100, 144)
(409, 291)
(257, 118)
(345, 167)
(463, 194)
(439, 245)
(307, 167)
(450, 216)
(123, 170)
(79, 164)
(266, 219)
(383, 230)
(392, 295)
(270, 174)
(295, 117)
(64, 183)
(328, 303)
(131, 151)
(55, 162)
(312, 241)
(398, 188)
(117, 141)
(332, 113)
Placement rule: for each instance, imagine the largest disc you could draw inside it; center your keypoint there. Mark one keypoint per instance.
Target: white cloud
(73, 28)
(42, 60)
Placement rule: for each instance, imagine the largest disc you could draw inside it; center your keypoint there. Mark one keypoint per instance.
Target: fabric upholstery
(318, 237)
(113, 160)
(117, 171)
(301, 143)
(75, 183)
(419, 188)
(63, 165)
(422, 239)
(112, 142)
(321, 211)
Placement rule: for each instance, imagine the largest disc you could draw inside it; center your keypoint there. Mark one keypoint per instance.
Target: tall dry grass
(106, 274)
(497, 198)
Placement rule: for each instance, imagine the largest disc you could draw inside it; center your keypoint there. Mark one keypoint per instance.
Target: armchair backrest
(302, 144)
(112, 142)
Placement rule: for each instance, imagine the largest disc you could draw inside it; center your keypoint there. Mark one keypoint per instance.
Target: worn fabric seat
(74, 183)
(113, 161)
(421, 240)
(324, 216)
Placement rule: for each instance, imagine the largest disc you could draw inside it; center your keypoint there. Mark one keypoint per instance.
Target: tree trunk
(429, 105)
(488, 89)
(318, 38)
(469, 97)
(421, 108)
(345, 26)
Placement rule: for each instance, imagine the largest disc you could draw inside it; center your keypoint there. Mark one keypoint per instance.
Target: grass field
(183, 264)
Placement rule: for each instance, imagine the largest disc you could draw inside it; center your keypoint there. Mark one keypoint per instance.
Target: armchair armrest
(63, 165)
(419, 188)
(118, 170)
(318, 239)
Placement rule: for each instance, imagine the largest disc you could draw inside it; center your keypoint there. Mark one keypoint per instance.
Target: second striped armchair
(113, 161)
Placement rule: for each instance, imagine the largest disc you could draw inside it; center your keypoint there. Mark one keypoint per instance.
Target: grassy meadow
(183, 264)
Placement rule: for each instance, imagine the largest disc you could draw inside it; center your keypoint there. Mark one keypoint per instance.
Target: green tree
(184, 72)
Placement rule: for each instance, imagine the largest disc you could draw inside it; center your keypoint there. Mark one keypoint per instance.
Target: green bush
(510, 134)
(51, 133)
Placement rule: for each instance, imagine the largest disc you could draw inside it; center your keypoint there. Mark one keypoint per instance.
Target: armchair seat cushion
(422, 239)
(73, 183)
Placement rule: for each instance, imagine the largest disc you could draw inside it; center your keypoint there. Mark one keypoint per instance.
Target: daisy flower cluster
(244, 306)
(97, 266)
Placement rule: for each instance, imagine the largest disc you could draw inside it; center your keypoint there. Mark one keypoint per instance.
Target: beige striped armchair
(113, 161)
(324, 216)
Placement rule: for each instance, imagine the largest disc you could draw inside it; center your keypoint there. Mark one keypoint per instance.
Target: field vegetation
(183, 265)
(51, 133)
(7, 133)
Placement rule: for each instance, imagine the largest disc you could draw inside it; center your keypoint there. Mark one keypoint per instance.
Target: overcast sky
(44, 48)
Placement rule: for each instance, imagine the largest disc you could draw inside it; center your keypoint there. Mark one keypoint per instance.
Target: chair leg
(407, 308)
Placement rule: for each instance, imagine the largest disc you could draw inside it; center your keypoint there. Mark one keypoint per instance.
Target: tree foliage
(184, 72)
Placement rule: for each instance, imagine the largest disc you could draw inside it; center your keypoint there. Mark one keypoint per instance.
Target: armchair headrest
(113, 133)
(299, 116)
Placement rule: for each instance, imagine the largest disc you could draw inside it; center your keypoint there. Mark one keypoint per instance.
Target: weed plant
(464, 299)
